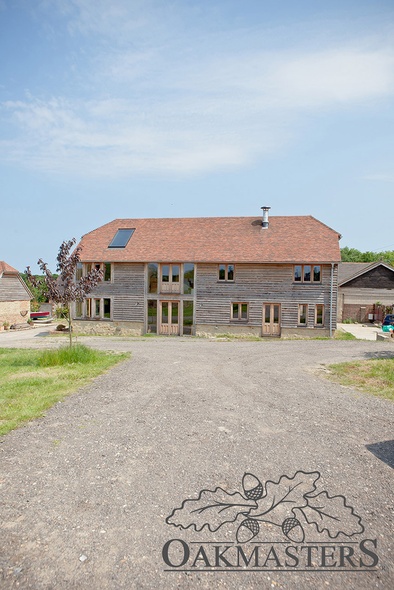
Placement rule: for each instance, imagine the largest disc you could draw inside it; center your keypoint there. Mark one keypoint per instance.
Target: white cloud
(159, 101)
(380, 177)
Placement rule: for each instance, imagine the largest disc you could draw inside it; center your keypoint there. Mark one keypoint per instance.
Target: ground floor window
(187, 317)
(78, 309)
(94, 308)
(152, 316)
(319, 315)
(239, 311)
(302, 314)
(170, 317)
(107, 308)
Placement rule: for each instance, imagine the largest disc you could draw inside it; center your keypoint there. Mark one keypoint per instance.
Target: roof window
(121, 238)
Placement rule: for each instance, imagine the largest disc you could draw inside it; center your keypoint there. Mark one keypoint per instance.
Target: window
(226, 272)
(107, 271)
(302, 314)
(152, 316)
(170, 274)
(121, 238)
(98, 308)
(79, 271)
(78, 309)
(152, 277)
(187, 317)
(188, 278)
(319, 315)
(107, 308)
(307, 273)
(105, 267)
(239, 311)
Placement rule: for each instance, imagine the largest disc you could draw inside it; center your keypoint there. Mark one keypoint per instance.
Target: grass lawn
(31, 381)
(375, 376)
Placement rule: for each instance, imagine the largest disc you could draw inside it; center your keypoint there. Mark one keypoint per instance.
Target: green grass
(340, 335)
(32, 381)
(374, 376)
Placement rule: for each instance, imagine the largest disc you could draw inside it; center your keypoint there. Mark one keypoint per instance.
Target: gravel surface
(85, 491)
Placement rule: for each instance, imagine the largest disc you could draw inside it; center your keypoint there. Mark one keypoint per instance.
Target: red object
(39, 314)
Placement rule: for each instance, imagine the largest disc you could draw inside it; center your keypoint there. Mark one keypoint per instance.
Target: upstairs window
(170, 274)
(121, 238)
(107, 271)
(105, 267)
(188, 278)
(79, 271)
(307, 273)
(226, 272)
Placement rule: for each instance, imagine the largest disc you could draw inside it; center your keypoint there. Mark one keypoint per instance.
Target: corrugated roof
(215, 239)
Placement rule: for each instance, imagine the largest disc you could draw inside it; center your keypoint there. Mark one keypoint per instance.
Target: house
(244, 275)
(15, 296)
(364, 290)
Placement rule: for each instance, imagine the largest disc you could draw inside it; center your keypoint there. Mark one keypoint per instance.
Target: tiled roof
(4, 267)
(215, 239)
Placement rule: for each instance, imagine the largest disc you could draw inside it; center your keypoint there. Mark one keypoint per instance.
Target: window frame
(299, 323)
(319, 325)
(302, 279)
(89, 266)
(125, 241)
(238, 317)
(173, 286)
(90, 306)
(226, 273)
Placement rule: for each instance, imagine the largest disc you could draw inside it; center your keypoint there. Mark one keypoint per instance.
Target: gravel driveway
(85, 491)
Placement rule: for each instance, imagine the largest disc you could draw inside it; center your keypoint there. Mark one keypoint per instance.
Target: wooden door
(271, 319)
(169, 317)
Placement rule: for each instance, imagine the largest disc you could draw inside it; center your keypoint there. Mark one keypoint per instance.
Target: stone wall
(14, 312)
(104, 328)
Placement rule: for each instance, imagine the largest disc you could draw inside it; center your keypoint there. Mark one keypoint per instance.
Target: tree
(354, 255)
(65, 288)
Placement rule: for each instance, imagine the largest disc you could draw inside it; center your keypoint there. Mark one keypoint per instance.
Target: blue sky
(159, 108)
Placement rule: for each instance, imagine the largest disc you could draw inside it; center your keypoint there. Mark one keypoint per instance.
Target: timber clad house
(243, 275)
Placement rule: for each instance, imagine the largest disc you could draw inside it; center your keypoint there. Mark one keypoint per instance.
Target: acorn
(252, 486)
(247, 530)
(293, 530)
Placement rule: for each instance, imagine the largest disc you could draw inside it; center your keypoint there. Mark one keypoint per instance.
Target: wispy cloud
(379, 177)
(157, 101)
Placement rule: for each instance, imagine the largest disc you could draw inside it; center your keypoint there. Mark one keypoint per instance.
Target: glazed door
(271, 319)
(169, 317)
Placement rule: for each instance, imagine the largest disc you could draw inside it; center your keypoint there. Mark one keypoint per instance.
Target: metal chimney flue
(265, 222)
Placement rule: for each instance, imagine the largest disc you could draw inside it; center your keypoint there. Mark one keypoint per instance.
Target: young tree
(66, 289)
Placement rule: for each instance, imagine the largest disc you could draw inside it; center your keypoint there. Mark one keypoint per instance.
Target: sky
(181, 108)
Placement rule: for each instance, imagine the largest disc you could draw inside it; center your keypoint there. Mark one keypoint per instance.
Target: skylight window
(121, 238)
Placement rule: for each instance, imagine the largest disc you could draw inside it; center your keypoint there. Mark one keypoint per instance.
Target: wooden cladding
(254, 286)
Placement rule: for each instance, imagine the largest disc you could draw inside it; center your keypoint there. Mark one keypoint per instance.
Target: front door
(169, 317)
(271, 319)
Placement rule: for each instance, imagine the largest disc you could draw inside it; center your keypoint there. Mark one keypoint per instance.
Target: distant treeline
(353, 255)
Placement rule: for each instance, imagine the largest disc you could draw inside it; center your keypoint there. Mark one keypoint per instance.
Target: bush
(68, 355)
